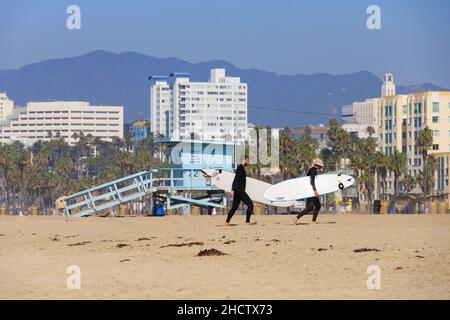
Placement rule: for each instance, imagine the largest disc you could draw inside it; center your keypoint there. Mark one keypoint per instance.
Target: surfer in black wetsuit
(238, 192)
(312, 203)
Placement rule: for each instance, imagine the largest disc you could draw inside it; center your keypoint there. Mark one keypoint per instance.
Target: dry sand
(271, 260)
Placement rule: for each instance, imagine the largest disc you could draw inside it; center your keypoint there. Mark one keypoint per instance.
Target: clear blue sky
(286, 37)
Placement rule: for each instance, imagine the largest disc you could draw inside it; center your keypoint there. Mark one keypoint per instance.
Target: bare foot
(251, 223)
(227, 224)
(295, 220)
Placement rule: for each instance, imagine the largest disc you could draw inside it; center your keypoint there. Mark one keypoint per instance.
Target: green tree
(397, 164)
(381, 163)
(305, 147)
(424, 144)
(408, 183)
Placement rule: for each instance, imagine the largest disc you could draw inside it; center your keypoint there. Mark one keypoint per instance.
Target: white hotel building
(64, 118)
(213, 110)
(364, 114)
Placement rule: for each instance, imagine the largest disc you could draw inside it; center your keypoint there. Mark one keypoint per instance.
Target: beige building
(64, 118)
(402, 117)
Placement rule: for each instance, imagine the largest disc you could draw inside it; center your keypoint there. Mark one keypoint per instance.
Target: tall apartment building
(213, 110)
(35, 121)
(402, 117)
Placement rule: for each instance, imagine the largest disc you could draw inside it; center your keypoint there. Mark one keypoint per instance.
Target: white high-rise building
(61, 118)
(6, 107)
(213, 110)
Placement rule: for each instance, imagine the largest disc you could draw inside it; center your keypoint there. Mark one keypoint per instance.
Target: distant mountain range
(102, 77)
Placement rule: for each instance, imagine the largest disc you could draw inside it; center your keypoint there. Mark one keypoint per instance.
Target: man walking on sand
(238, 193)
(313, 202)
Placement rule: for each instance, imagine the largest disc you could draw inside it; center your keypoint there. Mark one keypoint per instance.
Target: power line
(304, 112)
(292, 111)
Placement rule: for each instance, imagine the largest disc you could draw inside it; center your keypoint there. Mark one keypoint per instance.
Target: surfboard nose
(346, 180)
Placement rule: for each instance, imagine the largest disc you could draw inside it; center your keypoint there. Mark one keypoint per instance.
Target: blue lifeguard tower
(182, 185)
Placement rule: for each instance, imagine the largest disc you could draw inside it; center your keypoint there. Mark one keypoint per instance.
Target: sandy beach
(156, 257)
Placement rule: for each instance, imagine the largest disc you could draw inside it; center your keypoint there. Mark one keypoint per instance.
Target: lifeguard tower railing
(175, 185)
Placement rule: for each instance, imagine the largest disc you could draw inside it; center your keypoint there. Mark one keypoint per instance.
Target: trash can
(376, 206)
(258, 209)
(442, 207)
(384, 207)
(34, 210)
(123, 210)
(158, 209)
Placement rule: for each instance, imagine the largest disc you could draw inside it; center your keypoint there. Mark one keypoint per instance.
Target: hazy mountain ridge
(102, 77)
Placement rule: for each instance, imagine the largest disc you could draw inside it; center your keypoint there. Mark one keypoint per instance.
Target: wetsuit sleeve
(312, 179)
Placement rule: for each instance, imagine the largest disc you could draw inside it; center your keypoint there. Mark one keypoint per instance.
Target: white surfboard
(300, 188)
(255, 188)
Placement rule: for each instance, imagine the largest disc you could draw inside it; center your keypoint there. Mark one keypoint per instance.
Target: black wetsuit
(313, 202)
(238, 188)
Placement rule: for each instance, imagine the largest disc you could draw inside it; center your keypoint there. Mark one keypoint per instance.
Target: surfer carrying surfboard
(313, 203)
(238, 192)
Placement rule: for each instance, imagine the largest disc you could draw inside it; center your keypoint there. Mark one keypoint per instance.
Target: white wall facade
(34, 122)
(366, 113)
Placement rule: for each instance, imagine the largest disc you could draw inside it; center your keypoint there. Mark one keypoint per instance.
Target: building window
(435, 147)
(435, 119)
(435, 106)
(436, 133)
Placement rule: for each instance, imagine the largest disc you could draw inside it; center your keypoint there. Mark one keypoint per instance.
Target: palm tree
(424, 143)
(370, 131)
(408, 183)
(397, 164)
(341, 142)
(287, 154)
(381, 163)
(364, 164)
(52, 168)
(431, 167)
(7, 165)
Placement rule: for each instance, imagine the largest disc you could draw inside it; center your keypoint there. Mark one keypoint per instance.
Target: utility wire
(287, 110)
